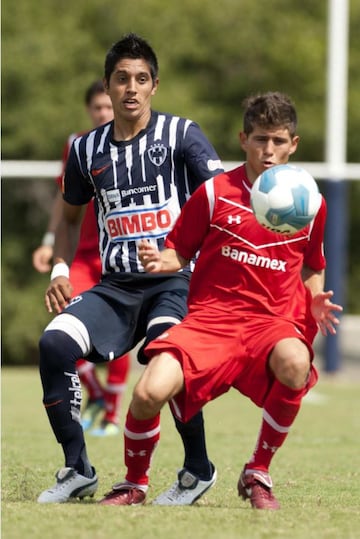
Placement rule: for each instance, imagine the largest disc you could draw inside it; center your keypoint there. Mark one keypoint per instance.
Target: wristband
(48, 239)
(60, 270)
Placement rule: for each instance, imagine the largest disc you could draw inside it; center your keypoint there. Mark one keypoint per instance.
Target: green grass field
(316, 473)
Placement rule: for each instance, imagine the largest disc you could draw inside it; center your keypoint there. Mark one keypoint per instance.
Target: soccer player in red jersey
(255, 301)
(85, 272)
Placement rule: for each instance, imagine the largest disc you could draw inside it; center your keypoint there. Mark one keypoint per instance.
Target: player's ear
(243, 140)
(155, 86)
(294, 144)
(106, 85)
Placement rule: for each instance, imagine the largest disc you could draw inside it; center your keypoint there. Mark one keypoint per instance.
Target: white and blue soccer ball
(285, 199)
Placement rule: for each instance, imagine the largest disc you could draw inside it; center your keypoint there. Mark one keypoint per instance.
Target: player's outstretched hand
(58, 294)
(323, 311)
(41, 258)
(149, 256)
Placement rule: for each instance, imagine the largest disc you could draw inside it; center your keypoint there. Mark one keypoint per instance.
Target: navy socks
(62, 396)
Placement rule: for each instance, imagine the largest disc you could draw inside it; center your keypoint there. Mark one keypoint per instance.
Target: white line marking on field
(315, 398)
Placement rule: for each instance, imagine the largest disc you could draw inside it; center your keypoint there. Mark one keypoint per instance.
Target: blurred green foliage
(211, 57)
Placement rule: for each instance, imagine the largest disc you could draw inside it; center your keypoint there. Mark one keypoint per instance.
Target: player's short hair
(271, 109)
(95, 88)
(131, 46)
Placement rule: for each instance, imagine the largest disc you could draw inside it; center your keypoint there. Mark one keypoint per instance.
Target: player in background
(254, 301)
(85, 272)
(141, 167)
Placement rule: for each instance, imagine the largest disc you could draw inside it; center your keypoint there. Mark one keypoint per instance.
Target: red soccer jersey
(243, 267)
(88, 246)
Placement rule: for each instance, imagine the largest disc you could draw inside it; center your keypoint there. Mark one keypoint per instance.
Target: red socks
(117, 373)
(280, 410)
(140, 439)
(89, 379)
(115, 387)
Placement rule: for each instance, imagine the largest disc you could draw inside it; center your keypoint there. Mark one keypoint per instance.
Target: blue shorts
(118, 310)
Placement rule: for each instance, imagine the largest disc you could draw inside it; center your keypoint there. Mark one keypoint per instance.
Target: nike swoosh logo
(97, 171)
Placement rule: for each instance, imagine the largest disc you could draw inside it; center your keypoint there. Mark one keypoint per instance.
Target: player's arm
(59, 292)
(322, 308)
(68, 232)
(314, 280)
(77, 192)
(200, 156)
(155, 261)
(184, 240)
(43, 254)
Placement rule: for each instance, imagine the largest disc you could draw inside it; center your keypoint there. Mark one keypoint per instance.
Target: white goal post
(52, 169)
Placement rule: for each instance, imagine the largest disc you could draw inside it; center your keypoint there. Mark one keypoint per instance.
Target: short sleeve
(200, 156)
(192, 225)
(314, 256)
(77, 188)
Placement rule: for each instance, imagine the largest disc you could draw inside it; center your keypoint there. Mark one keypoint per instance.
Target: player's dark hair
(131, 46)
(97, 87)
(272, 109)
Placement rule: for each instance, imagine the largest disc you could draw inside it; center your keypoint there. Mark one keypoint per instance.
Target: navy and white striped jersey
(139, 185)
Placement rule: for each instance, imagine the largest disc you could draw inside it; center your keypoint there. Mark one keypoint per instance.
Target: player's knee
(47, 345)
(147, 401)
(57, 350)
(291, 365)
(150, 400)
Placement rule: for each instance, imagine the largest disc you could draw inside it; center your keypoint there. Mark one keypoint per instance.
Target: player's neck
(250, 173)
(128, 129)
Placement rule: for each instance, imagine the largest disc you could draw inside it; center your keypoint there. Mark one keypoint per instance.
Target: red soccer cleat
(256, 486)
(124, 494)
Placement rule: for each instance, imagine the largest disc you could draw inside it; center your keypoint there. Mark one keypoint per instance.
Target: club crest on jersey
(157, 154)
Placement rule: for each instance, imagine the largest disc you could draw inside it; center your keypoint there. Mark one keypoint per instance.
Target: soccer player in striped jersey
(141, 168)
(85, 272)
(255, 301)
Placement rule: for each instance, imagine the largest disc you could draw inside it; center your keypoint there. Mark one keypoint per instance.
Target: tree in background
(212, 56)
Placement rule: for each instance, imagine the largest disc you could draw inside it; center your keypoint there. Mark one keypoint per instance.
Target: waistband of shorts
(145, 279)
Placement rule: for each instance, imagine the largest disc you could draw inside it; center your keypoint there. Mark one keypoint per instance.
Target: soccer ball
(285, 198)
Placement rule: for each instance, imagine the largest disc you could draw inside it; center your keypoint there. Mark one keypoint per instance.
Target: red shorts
(85, 272)
(220, 352)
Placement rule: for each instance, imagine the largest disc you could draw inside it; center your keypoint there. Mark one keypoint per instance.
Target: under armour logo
(141, 453)
(232, 219)
(267, 446)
